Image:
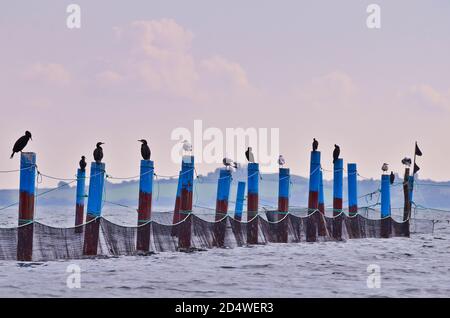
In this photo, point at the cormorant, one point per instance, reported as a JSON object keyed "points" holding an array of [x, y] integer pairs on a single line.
{"points": [[336, 153], [98, 152], [392, 177], [249, 155], [227, 162], [407, 161], [281, 160], [385, 167], [83, 163], [145, 150], [21, 143], [315, 144]]}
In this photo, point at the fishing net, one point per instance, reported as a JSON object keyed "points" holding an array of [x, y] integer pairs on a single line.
{"points": [[50, 243]]}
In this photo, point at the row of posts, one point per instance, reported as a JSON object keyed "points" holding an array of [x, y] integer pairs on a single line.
{"points": [[182, 218]]}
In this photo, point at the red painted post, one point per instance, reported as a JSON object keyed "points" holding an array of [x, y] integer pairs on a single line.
{"points": [[145, 206]]}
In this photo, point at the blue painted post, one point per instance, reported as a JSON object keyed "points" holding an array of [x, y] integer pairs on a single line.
{"points": [[352, 189], [176, 210], [240, 197], [321, 204], [252, 202], [145, 205], [284, 180], [81, 194], [385, 206], [94, 208], [187, 183], [338, 176], [223, 194], [26, 206], [313, 199]]}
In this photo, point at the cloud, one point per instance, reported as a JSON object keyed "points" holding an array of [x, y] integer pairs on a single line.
{"points": [[229, 71], [425, 97], [50, 73]]}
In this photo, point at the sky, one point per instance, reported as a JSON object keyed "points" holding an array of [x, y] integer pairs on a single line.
{"points": [[142, 69]]}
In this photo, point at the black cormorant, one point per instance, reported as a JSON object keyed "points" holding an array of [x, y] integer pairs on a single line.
{"points": [[392, 177], [83, 163], [21, 143], [145, 150], [315, 144], [98, 152], [249, 155], [336, 153]]}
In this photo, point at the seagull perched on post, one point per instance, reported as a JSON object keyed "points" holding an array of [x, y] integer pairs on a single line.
{"points": [[98, 152], [385, 167], [227, 162], [281, 161], [187, 147], [392, 177], [21, 143], [336, 153], [315, 144], [406, 161], [83, 163], [145, 150], [249, 155]]}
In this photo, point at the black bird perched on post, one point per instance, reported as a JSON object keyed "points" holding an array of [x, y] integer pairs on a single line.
{"points": [[83, 163], [98, 152], [145, 150], [336, 153], [392, 177], [21, 143], [249, 155], [227, 162], [315, 144]]}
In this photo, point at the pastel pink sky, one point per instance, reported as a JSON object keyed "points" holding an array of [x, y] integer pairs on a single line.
{"points": [[309, 68]]}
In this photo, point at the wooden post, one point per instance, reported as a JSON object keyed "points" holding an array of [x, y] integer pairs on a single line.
{"points": [[187, 183], [223, 194], [352, 189], [338, 176], [283, 204], [407, 204], [145, 206], [240, 197], [94, 208], [313, 199], [322, 229], [26, 206], [385, 206], [80, 199], [252, 202]]}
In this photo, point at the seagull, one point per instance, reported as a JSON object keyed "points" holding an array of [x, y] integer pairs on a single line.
{"points": [[227, 162], [385, 167], [98, 152], [392, 177], [407, 161], [187, 146], [83, 163], [145, 150], [336, 153], [249, 155], [281, 161], [21, 143], [315, 144]]}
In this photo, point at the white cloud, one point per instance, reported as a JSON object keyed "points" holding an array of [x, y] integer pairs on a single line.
{"points": [[50, 73], [425, 97]]}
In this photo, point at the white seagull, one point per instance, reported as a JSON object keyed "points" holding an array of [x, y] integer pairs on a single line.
{"points": [[281, 161], [227, 162], [187, 146]]}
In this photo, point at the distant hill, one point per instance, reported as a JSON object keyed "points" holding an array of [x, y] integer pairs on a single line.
{"points": [[427, 192]]}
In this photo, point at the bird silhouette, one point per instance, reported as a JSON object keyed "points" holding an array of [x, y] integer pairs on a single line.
{"points": [[98, 152], [249, 155], [145, 150], [281, 160], [187, 147], [315, 144], [336, 153], [385, 167], [392, 177], [83, 163], [227, 162], [21, 143], [406, 161]]}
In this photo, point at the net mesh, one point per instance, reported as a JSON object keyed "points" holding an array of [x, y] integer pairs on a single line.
{"points": [[51, 243]]}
